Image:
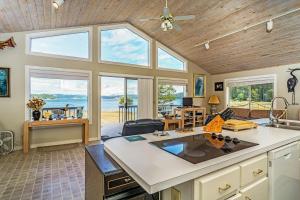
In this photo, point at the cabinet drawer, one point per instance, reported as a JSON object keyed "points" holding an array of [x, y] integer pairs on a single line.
{"points": [[257, 191], [218, 185], [235, 197], [253, 169]]}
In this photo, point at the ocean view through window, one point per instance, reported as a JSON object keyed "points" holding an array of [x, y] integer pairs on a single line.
{"points": [[67, 93], [59, 94]]}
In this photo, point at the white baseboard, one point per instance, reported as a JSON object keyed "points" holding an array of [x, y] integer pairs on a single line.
{"points": [[56, 143]]}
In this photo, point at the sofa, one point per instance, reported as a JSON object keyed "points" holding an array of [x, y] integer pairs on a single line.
{"points": [[244, 113]]}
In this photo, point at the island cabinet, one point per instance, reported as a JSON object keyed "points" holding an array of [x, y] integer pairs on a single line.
{"points": [[243, 181]]}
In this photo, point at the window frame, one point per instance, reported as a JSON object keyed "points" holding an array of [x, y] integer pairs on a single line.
{"points": [[174, 81], [172, 53], [63, 70], [135, 31], [59, 32], [246, 79]]}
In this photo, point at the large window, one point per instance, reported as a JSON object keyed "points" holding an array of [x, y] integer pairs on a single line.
{"points": [[74, 44], [124, 44], [168, 60], [66, 93], [253, 93], [170, 94]]}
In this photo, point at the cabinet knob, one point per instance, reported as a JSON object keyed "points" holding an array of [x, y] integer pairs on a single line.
{"points": [[258, 172], [223, 189]]}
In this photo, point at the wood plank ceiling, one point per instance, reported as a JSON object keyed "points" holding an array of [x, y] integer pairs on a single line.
{"points": [[250, 49]]}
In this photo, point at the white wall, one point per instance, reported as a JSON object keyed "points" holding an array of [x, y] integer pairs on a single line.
{"points": [[12, 110]]}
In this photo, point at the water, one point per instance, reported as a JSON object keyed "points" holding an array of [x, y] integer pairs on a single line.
{"points": [[107, 104]]}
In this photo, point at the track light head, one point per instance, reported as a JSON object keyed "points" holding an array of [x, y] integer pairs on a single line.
{"points": [[206, 45], [57, 3], [269, 26]]}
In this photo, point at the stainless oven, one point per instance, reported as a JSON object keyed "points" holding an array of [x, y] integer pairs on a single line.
{"points": [[106, 180]]}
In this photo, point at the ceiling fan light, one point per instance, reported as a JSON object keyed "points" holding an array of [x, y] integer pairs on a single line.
{"points": [[269, 26], [57, 3], [166, 25]]}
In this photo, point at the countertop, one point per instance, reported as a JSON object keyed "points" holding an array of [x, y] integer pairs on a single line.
{"points": [[156, 170], [104, 163]]}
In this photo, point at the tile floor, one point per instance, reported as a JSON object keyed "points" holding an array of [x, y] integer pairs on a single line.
{"points": [[45, 173]]}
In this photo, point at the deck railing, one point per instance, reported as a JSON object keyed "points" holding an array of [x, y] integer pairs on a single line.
{"points": [[127, 114], [166, 109]]}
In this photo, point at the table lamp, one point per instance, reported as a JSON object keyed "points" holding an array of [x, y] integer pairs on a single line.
{"points": [[213, 102]]}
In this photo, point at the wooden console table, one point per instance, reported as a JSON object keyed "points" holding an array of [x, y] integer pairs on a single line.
{"points": [[53, 123], [171, 121]]}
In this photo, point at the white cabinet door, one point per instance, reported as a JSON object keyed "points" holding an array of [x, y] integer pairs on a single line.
{"points": [[257, 191], [217, 185], [253, 169]]}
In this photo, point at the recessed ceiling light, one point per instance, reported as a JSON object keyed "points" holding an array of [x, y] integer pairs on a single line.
{"points": [[206, 45], [269, 26], [57, 3]]}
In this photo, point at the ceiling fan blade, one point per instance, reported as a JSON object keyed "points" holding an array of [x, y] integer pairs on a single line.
{"points": [[149, 19], [186, 17], [176, 27]]}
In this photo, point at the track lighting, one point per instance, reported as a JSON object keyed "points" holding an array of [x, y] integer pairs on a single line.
{"points": [[206, 45], [57, 3], [269, 26]]}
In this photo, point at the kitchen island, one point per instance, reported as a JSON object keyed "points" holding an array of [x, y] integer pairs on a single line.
{"points": [[157, 170]]}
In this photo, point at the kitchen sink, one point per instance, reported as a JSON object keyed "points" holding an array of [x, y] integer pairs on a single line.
{"points": [[286, 124]]}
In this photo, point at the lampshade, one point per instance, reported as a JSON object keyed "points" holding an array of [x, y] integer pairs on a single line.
{"points": [[214, 99]]}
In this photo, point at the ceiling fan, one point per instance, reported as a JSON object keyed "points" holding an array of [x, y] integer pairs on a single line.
{"points": [[168, 20]]}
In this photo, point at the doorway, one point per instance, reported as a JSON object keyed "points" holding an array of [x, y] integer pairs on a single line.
{"points": [[119, 103]]}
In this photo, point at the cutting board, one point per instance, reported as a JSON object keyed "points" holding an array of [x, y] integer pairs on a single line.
{"points": [[238, 125]]}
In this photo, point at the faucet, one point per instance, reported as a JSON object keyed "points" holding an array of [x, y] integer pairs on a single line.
{"points": [[275, 119]]}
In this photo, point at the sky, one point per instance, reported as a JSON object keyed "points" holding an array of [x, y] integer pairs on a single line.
{"points": [[117, 45], [56, 86], [74, 45], [124, 46], [111, 86]]}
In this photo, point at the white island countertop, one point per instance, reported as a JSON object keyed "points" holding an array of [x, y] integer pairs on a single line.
{"points": [[155, 169]]}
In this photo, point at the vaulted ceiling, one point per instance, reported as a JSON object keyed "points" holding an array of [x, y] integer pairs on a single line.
{"points": [[245, 50]]}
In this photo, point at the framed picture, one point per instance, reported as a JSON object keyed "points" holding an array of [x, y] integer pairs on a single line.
{"points": [[4, 82], [219, 86], [199, 85]]}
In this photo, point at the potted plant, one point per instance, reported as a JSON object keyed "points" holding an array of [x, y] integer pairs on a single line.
{"points": [[36, 104]]}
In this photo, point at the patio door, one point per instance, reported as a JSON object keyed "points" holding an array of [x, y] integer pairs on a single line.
{"points": [[119, 103]]}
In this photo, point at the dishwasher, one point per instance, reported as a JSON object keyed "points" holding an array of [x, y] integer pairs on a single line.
{"points": [[284, 172]]}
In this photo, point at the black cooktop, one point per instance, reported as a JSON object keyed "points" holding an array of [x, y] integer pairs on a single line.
{"points": [[202, 147]]}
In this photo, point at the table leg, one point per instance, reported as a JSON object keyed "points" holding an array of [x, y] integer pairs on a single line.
{"points": [[85, 132], [166, 128], [25, 138]]}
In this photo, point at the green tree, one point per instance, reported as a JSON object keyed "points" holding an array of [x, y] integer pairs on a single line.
{"points": [[122, 100], [167, 94]]}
